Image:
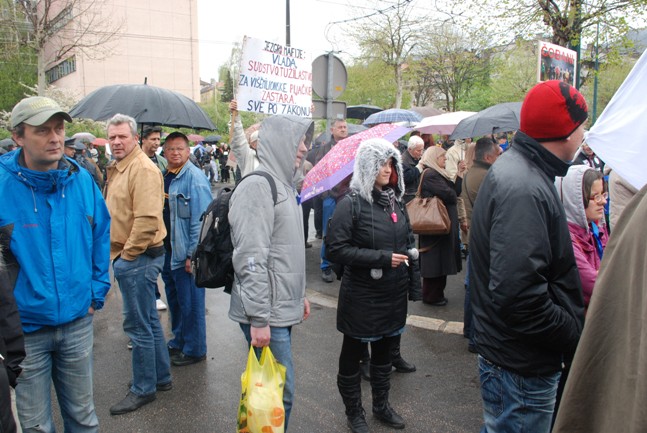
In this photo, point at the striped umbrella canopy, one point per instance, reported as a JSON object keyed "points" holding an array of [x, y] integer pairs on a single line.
{"points": [[392, 115]]}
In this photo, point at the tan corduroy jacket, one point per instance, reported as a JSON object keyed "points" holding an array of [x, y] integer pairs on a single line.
{"points": [[135, 197]]}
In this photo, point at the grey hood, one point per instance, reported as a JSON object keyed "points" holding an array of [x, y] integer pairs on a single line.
{"points": [[570, 191], [371, 156], [279, 139]]}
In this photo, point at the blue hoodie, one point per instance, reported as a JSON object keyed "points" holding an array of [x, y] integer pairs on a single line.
{"points": [[57, 226]]}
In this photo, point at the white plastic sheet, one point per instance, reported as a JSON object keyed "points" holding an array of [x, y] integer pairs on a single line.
{"points": [[619, 136]]}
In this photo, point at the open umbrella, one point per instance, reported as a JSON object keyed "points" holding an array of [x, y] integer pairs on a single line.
{"points": [[84, 137], [100, 142], [338, 163], [361, 111], [442, 123], [195, 137], [392, 115], [212, 139], [497, 118], [148, 105]]}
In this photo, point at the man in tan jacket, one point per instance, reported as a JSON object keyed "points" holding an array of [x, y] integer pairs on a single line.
{"points": [[135, 198]]}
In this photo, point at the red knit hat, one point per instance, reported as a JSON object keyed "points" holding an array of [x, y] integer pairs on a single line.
{"points": [[552, 110]]}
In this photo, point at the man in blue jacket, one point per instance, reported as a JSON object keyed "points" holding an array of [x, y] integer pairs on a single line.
{"points": [[52, 215], [186, 196]]}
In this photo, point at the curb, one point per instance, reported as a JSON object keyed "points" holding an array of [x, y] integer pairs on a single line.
{"points": [[438, 325]]}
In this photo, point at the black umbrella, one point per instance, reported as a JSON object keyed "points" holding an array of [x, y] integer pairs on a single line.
{"points": [[361, 111], [212, 139], [498, 118], [149, 105]]}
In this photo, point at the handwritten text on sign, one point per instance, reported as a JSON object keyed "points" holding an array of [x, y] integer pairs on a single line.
{"points": [[274, 79]]}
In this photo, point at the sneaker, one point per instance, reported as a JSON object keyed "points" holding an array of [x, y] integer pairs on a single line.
{"points": [[130, 345], [327, 275], [308, 245], [319, 236], [160, 305]]}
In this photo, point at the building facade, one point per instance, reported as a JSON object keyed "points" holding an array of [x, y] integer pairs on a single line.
{"points": [[157, 41]]}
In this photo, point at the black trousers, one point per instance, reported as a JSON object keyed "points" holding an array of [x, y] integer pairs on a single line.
{"points": [[7, 423], [352, 351]]}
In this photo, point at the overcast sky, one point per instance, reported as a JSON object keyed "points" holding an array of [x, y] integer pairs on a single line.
{"points": [[222, 23]]}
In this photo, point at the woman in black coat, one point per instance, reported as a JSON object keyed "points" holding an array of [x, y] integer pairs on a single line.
{"points": [[12, 347], [370, 235], [440, 255]]}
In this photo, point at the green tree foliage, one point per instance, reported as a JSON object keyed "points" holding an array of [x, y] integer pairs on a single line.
{"points": [[370, 82], [451, 63], [228, 91], [17, 73], [513, 72], [610, 76], [390, 36]]}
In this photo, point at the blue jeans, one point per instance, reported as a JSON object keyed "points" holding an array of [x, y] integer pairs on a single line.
{"points": [[150, 360], [281, 347], [186, 305], [516, 404], [61, 355], [329, 205]]}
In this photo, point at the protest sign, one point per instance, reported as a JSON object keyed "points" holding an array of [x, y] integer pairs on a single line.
{"points": [[274, 79], [556, 63]]}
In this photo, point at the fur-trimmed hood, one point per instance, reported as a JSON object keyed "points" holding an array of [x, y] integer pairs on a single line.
{"points": [[371, 155]]}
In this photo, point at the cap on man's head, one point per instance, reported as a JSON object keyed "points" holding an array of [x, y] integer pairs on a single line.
{"points": [[552, 111], [35, 111]]}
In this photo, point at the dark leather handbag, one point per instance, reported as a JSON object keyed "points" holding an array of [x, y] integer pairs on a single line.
{"points": [[428, 216]]}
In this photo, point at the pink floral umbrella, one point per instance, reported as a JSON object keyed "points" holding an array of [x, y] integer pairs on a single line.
{"points": [[339, 162]]}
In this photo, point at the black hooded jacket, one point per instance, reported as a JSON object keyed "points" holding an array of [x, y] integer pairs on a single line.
{"points": [[372, 305], [525, 287]]}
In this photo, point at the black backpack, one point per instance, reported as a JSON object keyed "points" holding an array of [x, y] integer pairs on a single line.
{"points": [[212, 260]]}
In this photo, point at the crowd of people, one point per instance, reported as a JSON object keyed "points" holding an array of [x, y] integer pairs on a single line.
{"points": [[531, 223]]}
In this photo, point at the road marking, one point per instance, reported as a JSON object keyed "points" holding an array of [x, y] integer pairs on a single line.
{"points": [[428, 323]]}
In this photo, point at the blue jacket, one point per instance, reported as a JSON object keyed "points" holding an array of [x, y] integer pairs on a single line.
{"points": [[189, 196], [57, 226]]}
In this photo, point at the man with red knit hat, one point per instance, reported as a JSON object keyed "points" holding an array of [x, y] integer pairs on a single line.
{"points": [[525, 288]]}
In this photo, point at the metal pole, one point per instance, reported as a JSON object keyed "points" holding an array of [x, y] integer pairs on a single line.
{"points": [[287, 23], [329, 92], [595, 78]]}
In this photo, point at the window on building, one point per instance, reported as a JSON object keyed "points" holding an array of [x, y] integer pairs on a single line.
{"points": [[66, 67]]}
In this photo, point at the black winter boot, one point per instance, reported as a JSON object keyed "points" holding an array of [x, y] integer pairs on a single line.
{"points": [[351, 393], [380, 385], [401, 366]]}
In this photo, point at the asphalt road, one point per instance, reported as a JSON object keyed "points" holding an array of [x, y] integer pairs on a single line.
{"points": [[442, 396]]}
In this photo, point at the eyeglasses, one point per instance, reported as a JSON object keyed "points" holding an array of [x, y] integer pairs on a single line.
{"points": [[175, 149], [600, 198]]}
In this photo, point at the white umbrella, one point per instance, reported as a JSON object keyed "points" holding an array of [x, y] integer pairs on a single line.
{"points": [[443, 123]]}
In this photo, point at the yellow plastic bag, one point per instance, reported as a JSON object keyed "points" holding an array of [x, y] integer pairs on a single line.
{"points": [[261, 400]]}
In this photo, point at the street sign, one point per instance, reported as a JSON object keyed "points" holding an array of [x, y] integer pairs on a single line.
{"points": [[338, 109], [320, 70]]}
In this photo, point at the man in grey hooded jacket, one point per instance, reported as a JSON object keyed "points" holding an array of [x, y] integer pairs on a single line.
{"points": [[268, 295]]}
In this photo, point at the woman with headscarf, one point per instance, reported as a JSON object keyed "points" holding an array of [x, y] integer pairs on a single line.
{"points": [[370, 234], [583, 195], [440, 255]]}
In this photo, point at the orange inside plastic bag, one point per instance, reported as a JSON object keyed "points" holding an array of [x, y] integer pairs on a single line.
{"points": [[261, 400]]}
